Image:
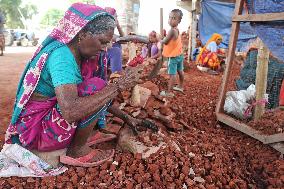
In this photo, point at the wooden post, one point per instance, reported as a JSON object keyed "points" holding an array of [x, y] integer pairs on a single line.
{"points": [[189, 51], [261, 79], [161, 22], [231, 54], [193, 27]]}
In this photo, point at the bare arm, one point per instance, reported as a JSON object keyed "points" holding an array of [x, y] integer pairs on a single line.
{"points": [[169, 36], [118, 113], [74, 108]]}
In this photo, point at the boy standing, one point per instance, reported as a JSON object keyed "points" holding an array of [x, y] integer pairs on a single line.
{"points": [[173, 51]]}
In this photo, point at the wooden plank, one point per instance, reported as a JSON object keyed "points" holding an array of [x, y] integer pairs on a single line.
{"points": [[259, 17], [240, 126], [273, 138], [261, 79], [193, 32], [277, 145], [231, 54]]}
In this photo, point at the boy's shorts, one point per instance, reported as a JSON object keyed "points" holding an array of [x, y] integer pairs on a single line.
{"points": [[175, 64]]}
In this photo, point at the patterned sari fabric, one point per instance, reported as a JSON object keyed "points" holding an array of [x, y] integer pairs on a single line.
{"points": [[39, 124], [207, 58]]}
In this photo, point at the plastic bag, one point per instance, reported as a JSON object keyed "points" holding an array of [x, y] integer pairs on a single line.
{"points": [[236, 102], [18, 161]]}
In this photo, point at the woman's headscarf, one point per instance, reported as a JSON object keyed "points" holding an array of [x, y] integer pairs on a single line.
{"points": [[215, 37], [111, 11], [74, 20]]}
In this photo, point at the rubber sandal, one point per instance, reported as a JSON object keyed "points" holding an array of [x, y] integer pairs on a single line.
{"points": [[84, 160], [178, 89], [99, 137], [165, 94], [212, 72]]}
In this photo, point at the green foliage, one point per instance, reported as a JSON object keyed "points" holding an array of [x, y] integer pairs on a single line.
{"points": [[29, 10], [13, 12], [51, 17], [83, 1]]}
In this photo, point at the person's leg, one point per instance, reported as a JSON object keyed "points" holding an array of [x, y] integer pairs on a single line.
{"points": [[181, 79], [180, 70], [172, 70], [78, 146], [171, 82]]}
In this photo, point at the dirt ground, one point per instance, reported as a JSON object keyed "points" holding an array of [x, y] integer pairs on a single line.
{"points": [[12, 65], [223, 157]]}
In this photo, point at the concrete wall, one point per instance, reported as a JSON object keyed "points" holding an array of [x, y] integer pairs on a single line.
{"points": [[128, 13]]}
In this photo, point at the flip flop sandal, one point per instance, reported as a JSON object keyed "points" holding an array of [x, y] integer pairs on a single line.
{"points": [[165, 94], [84, 160], [178, 89], [99, 137], [212, 72]]}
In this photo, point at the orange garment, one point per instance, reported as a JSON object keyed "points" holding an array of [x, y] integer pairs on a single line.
{"points": [[173, 48], [281, 97]]}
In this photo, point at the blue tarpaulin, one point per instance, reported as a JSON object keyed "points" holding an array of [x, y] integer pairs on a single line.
{"points": [[271, 33], [216, 17]]}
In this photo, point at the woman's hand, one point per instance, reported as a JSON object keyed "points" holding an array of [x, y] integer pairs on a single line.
{"points": [[128, 80]]}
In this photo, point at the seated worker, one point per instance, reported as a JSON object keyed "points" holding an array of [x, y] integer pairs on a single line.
{"points": [[197, 49], [152, 50], [59, 99], [210, 56]]}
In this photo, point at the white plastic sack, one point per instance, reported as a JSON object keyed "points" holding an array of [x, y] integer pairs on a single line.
{"points": [[18, 161], [236, 101]]}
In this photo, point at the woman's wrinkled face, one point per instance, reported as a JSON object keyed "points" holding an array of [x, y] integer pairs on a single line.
{"points": [[219, 41], [91, 44]]}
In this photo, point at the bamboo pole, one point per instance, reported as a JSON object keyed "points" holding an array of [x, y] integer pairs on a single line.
{"points": [[193, 27], [162, 22], [261, 79], [189, 51]]}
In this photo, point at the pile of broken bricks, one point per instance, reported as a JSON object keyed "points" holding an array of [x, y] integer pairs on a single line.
{"points": [[144, 102]]}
